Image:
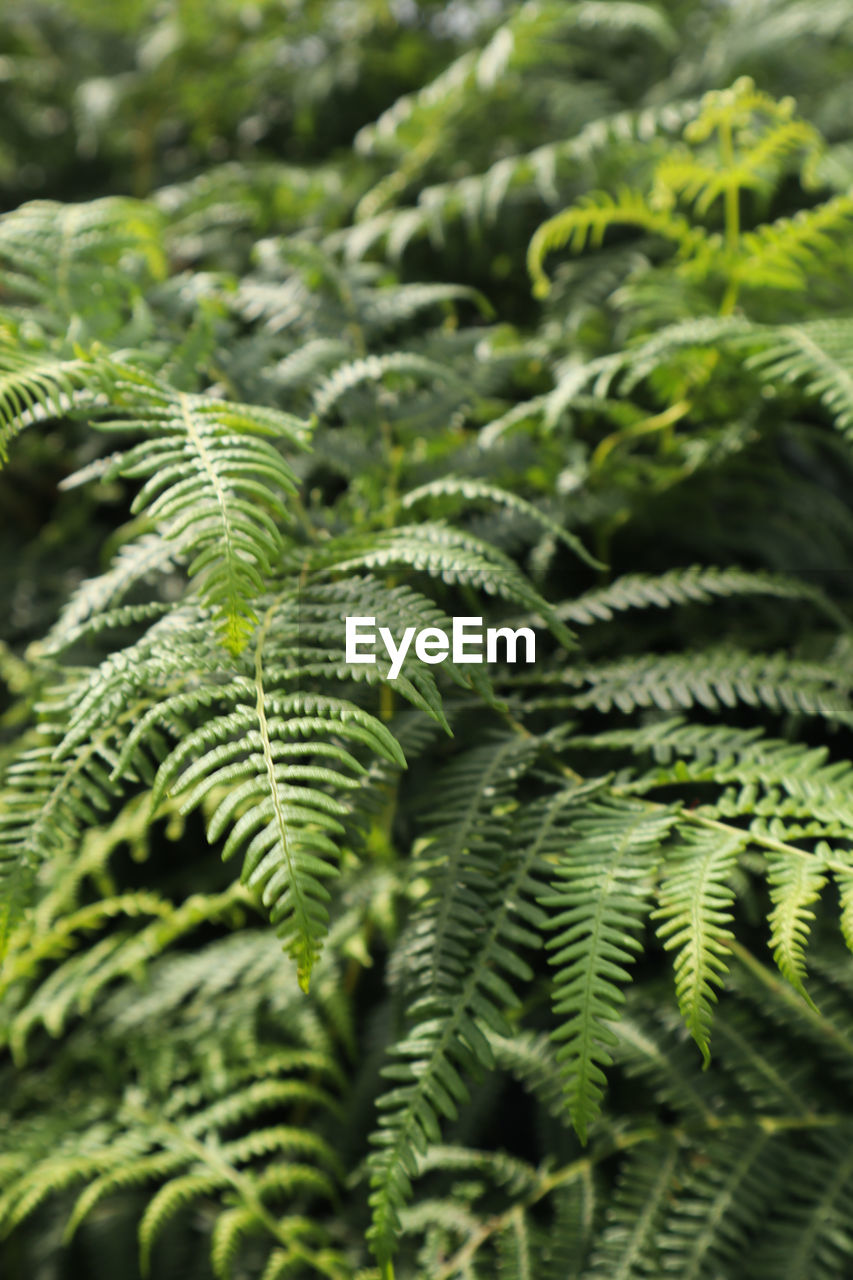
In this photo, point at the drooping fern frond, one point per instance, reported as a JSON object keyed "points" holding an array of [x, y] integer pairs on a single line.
{"points": [[148, 555], [795, 885], [606, 854], [36, 386], [283, 815], [212, 484], [374, 369], [443, 552], [461, 956], [695, 910], [476, 490]]}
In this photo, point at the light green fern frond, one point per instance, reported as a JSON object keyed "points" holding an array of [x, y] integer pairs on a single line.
{"points": [[587, 222], [212, 485], [606, 854], [36, 386], [695, 909]]}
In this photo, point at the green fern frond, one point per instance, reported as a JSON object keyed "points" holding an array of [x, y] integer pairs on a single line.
{"points": [[720, 754], [473, 490], [782, 254], [45, 802], [189, 1151], [628, 1245], [461, 957], [601, 893], [375, 369], [212, 482], [283, 816], [697, 584], [479, 198], [716, 678], [444, 552], [587, 222], [795, 884], [695, 909], [718, 1203], [149, 554], [815, 353], [36, 386], [55, 256]]}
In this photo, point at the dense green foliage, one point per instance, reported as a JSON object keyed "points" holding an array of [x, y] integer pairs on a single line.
{"points": [[538, 313]]}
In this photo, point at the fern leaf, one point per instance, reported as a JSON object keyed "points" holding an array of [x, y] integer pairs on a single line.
{"points": [[796, 882], [817, 354], [601, 892], [36, 386], [211, 482], [628, 1245], [461, 954], [697, 584], [587, 222], [478, 491], [441, 551], [695, 900]]}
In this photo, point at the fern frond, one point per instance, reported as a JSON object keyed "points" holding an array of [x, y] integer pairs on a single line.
{"points": [[58, 256], [150, 554], [212, 482], [721, 754], [795, 884], [695, 900], [587, 222], [375, 369], [45, 802], [815, 353], [601, 892], [280, 814], [36, 386], [479, 198], [719, 1203], [783, 253], [697, 584], [461, 954], [628, 1244], [441, 551], [814, 1238], [473, 490], [187, 1149], [716, 677]]}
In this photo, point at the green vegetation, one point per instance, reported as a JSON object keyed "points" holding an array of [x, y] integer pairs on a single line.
{"points": [[537, 313]]}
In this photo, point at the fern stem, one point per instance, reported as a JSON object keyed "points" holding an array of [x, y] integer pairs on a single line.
{"points": [[732, 202], [663, 421]]}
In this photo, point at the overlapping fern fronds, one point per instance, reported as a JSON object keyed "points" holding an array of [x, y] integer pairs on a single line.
{"points": [[553, 956]]}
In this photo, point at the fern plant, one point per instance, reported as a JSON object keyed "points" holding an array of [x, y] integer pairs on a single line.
{"points": [[315, 969]]}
